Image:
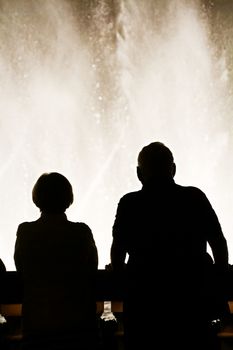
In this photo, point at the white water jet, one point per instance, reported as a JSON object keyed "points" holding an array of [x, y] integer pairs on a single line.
{"points": [[178, 90], [85, 85]]}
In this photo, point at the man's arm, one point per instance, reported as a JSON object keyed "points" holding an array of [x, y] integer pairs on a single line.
{"points": [[118, 255], [220, 251], [215, 236], [118, 248]]}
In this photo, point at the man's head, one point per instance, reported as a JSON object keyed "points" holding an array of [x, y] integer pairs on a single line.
{"points": [[155, 161]]}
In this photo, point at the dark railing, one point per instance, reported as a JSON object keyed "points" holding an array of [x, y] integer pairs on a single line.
{"points": [[109, 291], [109, 288]]}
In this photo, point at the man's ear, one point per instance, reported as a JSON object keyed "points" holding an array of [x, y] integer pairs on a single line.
{"points": [[173, 169], [139, 174]]}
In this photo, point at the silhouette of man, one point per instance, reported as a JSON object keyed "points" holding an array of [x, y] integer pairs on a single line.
{"points": [[164, 229]]}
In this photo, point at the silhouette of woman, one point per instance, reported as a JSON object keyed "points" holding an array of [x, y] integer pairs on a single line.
{"points": [[57, 260]]}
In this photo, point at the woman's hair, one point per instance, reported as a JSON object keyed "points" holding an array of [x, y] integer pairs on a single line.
{"points": [[52, 193]]}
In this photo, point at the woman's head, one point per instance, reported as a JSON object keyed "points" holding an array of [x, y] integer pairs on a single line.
{"points": [[52, 193]]}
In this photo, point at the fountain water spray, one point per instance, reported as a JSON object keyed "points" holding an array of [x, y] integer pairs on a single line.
{"points": [[84, 85]]}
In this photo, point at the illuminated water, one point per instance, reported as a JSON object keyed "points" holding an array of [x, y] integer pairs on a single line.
{"points": [[84, 85]]}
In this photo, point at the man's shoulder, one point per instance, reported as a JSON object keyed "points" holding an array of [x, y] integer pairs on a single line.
{"points": [[189, 189], [192, 193], [131, 195]]}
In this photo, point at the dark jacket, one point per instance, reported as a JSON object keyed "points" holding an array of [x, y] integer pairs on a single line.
{"points": [[165, 230]]}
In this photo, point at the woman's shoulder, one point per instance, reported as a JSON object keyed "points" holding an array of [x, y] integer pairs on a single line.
{"points": [[25, 228], [27, 224], [80, 227]]}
